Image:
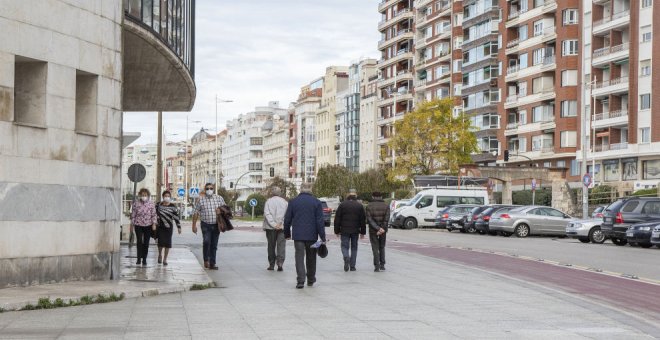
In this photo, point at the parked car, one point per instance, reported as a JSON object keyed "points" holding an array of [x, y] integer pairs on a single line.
{"points": [[586, 230], [598, 212], [622, 214], [468, 221], [655, 236], [531, 220], [640, 234], [482, 224], [327, 213], [396, 205], [449, 217]]}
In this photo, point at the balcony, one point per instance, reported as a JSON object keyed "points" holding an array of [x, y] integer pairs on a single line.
{"points": [[517, 128], [405, 13], [406, 34], [514, 72], [608, 54], [516, 100], [493, 10], [403, 54], [158, 66], [612, 86], [517, 17], [610, 147], [610, 119], [613, 21], [384, 4]]}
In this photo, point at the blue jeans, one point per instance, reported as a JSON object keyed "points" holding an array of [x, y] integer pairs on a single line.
{"points": [[353, 239], [210, 234]]}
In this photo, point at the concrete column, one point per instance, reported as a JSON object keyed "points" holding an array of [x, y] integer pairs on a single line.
{"points": [[507, 194]]}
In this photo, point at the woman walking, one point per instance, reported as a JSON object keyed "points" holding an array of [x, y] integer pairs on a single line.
{"points": [[168, 215], [143, 219]]}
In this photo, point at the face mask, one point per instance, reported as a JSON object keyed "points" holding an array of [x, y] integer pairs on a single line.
{"points": [[144, 198], [209, 192], [167, 199]]}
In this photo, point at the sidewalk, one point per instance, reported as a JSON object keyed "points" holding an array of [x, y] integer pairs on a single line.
{"points": [[182, 272]]}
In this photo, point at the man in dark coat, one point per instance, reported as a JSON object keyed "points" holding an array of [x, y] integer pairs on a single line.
{"points": [[378, 217], [350, 220], [305, 215]]}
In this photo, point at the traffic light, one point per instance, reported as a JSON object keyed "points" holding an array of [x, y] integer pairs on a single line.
{"points": [[272, 172], [231, 185], [506, 155]]}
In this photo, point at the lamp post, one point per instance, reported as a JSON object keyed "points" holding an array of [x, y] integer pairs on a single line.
{"points": [[185, 175], [584, 142], [217, 132]]}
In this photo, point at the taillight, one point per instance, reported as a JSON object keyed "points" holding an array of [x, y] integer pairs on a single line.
{"points": [[486, 218], [445, 215], [475, 217], [599, 215], [619, 218], [505, 216], [327, 210]]}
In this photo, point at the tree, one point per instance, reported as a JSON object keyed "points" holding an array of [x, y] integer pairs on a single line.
{"points": [[259, 208], [332, 181], [431, 140], [288, 189]]}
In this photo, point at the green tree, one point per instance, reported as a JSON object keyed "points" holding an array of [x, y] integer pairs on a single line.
{"points": [[431, 140], [259, 209], [288, 189], [332, 181]]}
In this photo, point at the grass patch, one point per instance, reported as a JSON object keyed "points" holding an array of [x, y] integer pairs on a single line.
{"points": [[198, 286], [47, 303], [248, 218]]}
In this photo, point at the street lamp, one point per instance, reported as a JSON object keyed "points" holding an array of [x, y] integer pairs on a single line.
{"points": [[185, 175], [217, 132]]}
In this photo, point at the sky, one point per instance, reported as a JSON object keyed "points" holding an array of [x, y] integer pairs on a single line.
{"points": [[256, 51]]}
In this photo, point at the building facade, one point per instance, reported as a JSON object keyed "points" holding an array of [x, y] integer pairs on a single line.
{"points": [[276, 148], [303, 164], [203, 163], [335, 81], [368, 123]]}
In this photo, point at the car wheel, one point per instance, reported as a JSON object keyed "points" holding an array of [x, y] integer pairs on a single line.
{"points": [[471, 230], [462, 230], [596, 235], [645, 245], [522, 230], [492, 233], [584, 239], [633, 244], [619, 241], [505, 233], [481, 232], [410, 223]]}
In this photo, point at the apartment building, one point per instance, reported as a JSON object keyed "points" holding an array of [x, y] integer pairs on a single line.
{"points": [[368, 123], [302, 131], [276, 147], [335, 81], [619, 55], [206, 158]]}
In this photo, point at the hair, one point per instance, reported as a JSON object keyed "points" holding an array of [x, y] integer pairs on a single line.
{"points": [[144, 191], [275, 191], [167, 192], [306, 188], [207, 184]]}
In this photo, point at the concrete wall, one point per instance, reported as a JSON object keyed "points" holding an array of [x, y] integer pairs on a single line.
{"points": [[59, 185]]}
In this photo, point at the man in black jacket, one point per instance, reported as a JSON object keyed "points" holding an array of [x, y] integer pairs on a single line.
{"points": [[350, 220], [378, 217]]}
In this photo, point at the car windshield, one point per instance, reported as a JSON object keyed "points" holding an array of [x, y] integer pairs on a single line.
{"points": [[488, 211], [414, 200]]}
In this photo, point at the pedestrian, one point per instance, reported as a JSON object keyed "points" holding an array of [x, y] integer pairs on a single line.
{"points": [[168, 216], [350, 221], [143, 221], [274, 211], [303, 222], [378, 217], [206, 210]]}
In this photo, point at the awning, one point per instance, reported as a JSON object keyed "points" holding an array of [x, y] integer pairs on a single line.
{"points": [[603, 134]]}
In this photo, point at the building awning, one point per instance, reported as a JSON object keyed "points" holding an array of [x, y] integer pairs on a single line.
{"points": [[603, 134]]}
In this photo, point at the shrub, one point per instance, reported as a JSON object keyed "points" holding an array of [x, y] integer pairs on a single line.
{"points": [[646, 192], [524, 197], [259, 209]]}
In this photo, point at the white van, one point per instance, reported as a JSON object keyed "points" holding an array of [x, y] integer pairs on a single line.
{"points": [[424, 207]]}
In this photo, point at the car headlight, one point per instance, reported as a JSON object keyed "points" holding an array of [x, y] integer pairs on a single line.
{"points": [[644, 228]]}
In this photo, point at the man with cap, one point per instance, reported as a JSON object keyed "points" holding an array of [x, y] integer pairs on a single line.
{"points": [[274, 211], [304, 223], [378, 217], [350, 221]]}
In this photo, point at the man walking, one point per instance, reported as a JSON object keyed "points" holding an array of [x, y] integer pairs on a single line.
{"points": [[305, 215], [349, 222], [207, 209], [378, 217], [274, 211]]}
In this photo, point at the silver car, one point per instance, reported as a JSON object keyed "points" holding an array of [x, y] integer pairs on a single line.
{"points": [[586, 230], [530, 220]]}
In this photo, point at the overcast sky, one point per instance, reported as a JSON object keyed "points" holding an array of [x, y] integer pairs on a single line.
{"points": [[255, 51]]}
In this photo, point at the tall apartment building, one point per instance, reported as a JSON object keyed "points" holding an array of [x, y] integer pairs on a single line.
{"points": [[619, 55], [206, 160], [335, 81], [302, 160], [368, 123], [276, 147]]}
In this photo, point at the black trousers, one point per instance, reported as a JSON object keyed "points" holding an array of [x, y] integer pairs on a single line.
{"points": [[276, 247], [305, 260], [143, 237], [378, 248]]}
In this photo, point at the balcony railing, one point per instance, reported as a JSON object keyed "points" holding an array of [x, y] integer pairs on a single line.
{"points": [[610, 49], [611, 82], [611, 18], [512, 43], [611, 114], [608, 147]]}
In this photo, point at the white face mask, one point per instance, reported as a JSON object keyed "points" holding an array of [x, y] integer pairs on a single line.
{"points": [[167, 199], [209, 192], [144, 198]]}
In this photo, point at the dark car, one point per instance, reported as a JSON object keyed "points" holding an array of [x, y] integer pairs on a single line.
{"points": [[483, 220], [598, 212], [640, 234], [655, 236], [327, 213], [622, 214], [449, 217], [468, 221]]}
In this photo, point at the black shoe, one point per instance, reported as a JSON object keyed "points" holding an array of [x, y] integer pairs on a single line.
{"points": [[376, 269], [353, 269], [310, 283], [138, 262], [279, 268], [300, 285], [382, 267], [270, 268], [346, 266]]}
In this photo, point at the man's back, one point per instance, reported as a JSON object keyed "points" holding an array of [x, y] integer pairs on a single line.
{"points": [[305, 215], [379, 212], [350, 217]]}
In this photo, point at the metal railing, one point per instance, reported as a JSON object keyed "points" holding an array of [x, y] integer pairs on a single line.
{"points": [[607, 50], [611, 18], [611, 114], [611, 82]]}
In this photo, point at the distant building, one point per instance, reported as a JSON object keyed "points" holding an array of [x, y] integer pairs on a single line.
{"points": [[304, 123], [335, 81], [369, 123], [276, 148]]}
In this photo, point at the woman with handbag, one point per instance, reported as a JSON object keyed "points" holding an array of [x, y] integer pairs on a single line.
{"points": [[168, 215], [143, 220]]}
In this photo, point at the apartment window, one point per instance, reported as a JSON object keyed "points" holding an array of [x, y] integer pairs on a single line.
{"points": [[647, 3], [568, 139], [575, 167], [645, 101], [646, 36], [561, 164], [645, 68], [645, 135], [570, 16], [256, 166], [611, 170], [538, 28], [651, 169], [569, 47], [86, 99], [569, 108], [256, 141], [30, 92], [537, 56], [569, 78]]}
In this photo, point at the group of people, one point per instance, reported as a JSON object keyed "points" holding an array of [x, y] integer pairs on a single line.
{"points": [[154, 220], [302, 220]]}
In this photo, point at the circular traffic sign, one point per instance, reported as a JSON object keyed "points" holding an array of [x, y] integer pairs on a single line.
{"points": [[253, 202], [137, 172], [533, 183], [181, 192], [586, 180]]}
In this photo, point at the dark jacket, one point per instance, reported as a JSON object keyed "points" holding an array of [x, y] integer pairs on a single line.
{"points": [[350, 218], [305, 215], [378, 215]]}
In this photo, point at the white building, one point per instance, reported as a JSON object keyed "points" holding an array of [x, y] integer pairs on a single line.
{"points": [[368, 123], [304, 121], [276, 148]]}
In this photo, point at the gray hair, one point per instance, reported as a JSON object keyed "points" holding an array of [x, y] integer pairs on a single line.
{"points": [[276, 191], [306, 188]]}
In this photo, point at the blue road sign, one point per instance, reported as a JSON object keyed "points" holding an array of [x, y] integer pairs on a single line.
{"points": [[253, 202], [194, 192], [586, 180], [181, 192], [533, 184]]}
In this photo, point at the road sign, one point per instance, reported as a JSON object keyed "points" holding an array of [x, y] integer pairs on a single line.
{"points": [[253, 202], [586, 180], [194, 192], [533, 183], [137, 172], [181, 192]]}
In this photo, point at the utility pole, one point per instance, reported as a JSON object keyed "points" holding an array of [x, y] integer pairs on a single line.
{"points": [[159, 156]]}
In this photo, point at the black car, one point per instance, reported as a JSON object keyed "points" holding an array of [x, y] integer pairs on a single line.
{"points": [[622, 214], [640, 234], [468, 221], [483, 220], [327, 213], [655, 236], [449, 217]]}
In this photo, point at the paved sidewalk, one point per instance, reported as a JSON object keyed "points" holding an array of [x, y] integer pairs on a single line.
{"points": [[417, 297], [182, 272]]}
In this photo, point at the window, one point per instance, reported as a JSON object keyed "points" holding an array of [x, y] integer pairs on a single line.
{"points": [[569, 47], [651, 169], [630, 206], [472, 200], [569, 108], [575, 168], [651, 208], [629, 169], [645, 101], [538, 28], [537, 56], [561, 164], [256, 141], [569, 78], [570, 16], [611, 171], [647, 3], [646, 36], [645, 135], [568, 139], [522, 32], [553, 213], [645, 68], [256, 166], [443, 201], [30, 92], [86, 99]]}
